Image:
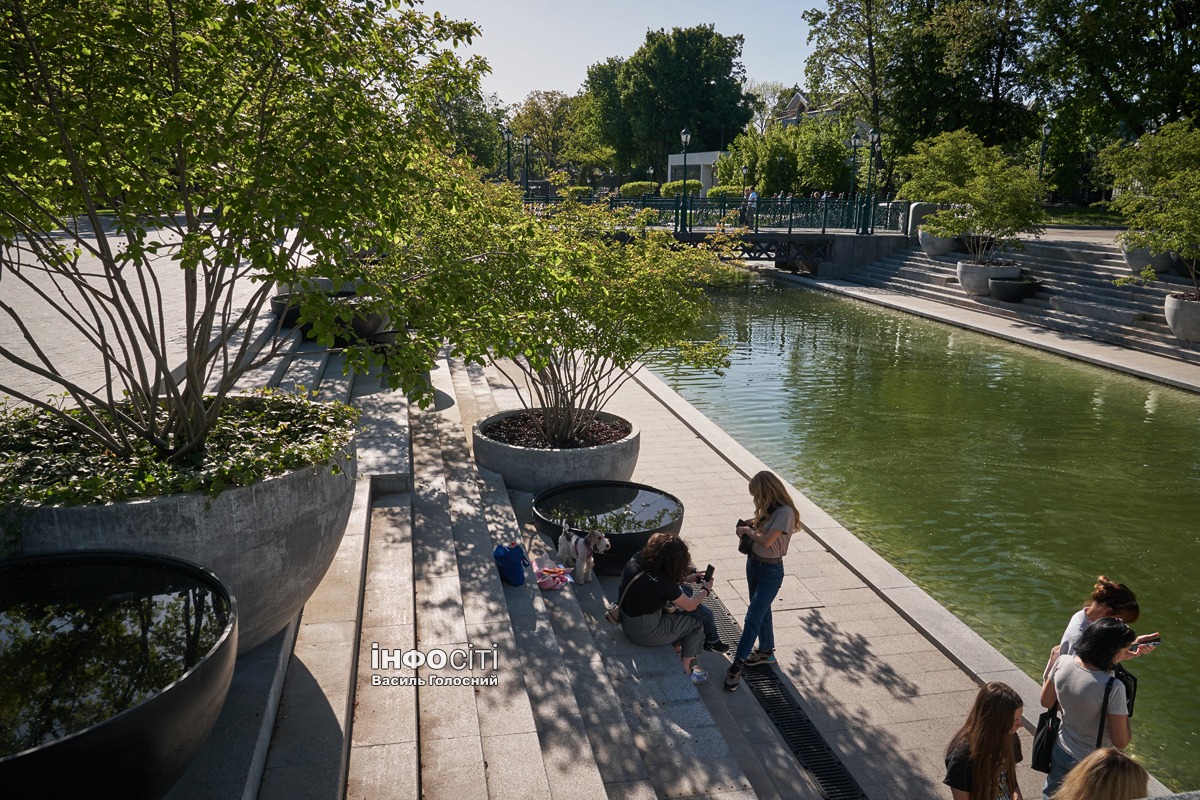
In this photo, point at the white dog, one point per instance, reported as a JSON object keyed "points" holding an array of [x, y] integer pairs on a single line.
{"points": [[577, 551]]}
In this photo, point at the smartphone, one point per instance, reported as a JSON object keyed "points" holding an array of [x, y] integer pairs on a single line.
{"points": [[1133, 648], [708, 573]]}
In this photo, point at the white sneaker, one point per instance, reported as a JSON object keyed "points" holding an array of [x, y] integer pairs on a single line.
{"points": [[699, 676]]}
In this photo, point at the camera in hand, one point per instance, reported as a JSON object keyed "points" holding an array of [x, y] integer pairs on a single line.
{"points": [[746, 545]]}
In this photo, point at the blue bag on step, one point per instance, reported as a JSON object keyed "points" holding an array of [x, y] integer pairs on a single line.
{"points": [[511, 561]]}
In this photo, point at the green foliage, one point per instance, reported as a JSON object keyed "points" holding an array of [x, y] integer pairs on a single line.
{"points": [[675, 188], [581, 296], [576, 192], [239, 145], [687, 78], [940, 168], [998, 202], [811, 156], [1160, 178], [474, 123], [45, 462], [725, 191], [546, 117], [639, 189]]}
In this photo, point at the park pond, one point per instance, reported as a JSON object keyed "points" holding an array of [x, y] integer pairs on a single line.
{"points": [[1000, 479]]}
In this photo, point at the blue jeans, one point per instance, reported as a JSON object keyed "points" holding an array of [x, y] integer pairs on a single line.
{"points": [[1060, 764], [764, 581], [705, 615]]}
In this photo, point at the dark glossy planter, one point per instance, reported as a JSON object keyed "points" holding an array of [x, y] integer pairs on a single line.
{"points": [[627, 513], [138, 681], [1012, 290]]}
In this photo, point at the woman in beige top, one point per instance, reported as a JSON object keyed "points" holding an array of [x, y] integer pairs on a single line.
{"points": [[775, 520]]}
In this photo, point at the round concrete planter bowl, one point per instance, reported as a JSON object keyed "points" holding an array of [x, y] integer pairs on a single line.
{"points": [[270, 542], [935, 245], [1183, 317], [1012, 290], [974, 277], [535, 469], [113, 723]]}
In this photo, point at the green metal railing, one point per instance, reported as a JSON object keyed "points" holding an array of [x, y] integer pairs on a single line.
{"points": [[768, 215]]}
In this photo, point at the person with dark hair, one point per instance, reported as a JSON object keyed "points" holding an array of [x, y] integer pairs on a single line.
{"points": [[1106, 774], [981, 759], [1080, 684], [650, 588], [708, 622], [1108, 599], [775, 520]]}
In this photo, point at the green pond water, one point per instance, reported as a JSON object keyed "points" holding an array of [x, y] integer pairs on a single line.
{"points": [[1000, 479]]}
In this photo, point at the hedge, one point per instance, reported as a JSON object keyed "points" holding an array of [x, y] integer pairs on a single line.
{"points": [[727, 190], [639, 188], [675, 188]]}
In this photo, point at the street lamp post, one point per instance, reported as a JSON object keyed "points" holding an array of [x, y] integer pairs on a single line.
{"points": [[866, 223], [855, 141], [508, 146], [527, 140], [1042, 154], [745, 174], [685, 136]]}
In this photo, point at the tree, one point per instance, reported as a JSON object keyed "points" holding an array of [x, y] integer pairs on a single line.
{"points": [[770, 99], [849, 57], [807, 157], [941, 166], [1132, 62], [545, 116], [688, 78], [1160, 178], [585, 152], [229, 146], [474, 123]]}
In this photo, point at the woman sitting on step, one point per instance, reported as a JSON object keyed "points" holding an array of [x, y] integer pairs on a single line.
{"points": [[650, 590]]}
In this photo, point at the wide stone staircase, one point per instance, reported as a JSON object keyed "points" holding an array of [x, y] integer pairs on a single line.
{"points": [[332, 708], [1077, 294]]}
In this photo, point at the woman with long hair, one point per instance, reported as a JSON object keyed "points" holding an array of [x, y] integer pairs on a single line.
{"points": [[981, 759], [649, 585], [1106, 774], [775, 520], [1079, 684]]}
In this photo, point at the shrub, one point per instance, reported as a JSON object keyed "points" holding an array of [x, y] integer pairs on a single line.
{"points": [[639, 189], [675, 188], [576, 192], [727, 190]]}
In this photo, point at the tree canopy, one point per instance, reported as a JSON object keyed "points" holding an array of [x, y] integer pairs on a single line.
{"points": [[687, 78]]}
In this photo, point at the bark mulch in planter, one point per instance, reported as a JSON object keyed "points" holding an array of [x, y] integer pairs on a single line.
{"points": [[522, 430]]}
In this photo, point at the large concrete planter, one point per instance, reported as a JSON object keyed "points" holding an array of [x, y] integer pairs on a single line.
{"points": [[535, 469], [1183, 317], [935, 245], [1140, 257], [270, 542], [974, 277]]}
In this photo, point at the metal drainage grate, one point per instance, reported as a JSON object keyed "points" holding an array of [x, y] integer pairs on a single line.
{"points": [[792, 723]]}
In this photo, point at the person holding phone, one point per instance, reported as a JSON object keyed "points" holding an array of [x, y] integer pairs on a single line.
{"points": [[651, 587], [775, 520], [1080, 684]]}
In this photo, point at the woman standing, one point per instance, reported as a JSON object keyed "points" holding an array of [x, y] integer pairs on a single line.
{"points": [[1081, 683], [649, 587], [1106, 774], [775, 520], [981, 759]]}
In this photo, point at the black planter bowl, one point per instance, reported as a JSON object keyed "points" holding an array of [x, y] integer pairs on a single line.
{"points": [[627, 513], [1012, 290], [116, 666], [286, 309]]}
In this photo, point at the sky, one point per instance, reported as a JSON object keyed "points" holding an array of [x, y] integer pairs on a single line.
{"points": [[549, 44]]}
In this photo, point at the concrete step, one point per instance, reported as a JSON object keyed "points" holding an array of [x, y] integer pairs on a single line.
{"points": [[1092, 307]]}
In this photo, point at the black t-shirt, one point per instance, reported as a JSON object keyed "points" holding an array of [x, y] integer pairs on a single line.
{"points": [[959, 773], [647, 594]]}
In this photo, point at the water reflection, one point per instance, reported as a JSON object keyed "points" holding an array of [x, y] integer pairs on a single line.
{"points": [[1000, 479], [82, 643]]}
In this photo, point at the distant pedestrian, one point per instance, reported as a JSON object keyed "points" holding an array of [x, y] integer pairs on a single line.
{"points": [[981, 759]]}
